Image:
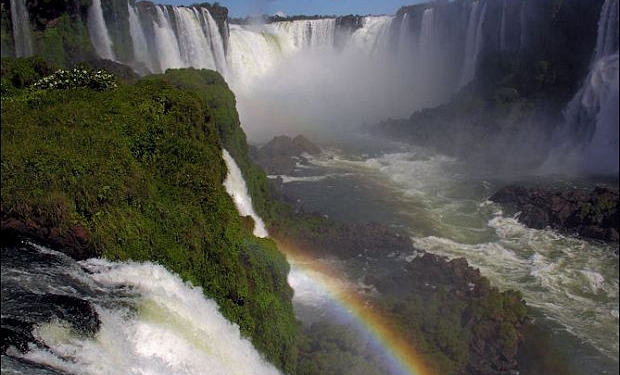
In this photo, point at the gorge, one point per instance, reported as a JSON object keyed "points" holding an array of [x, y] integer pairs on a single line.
{"points": [[421, 116]]}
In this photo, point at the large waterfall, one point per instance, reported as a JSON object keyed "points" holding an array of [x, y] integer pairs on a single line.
{"points": [[369, 78], [592, 115]]}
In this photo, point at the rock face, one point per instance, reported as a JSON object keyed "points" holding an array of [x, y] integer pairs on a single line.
{"points": [[280, 155], [591, 214]]}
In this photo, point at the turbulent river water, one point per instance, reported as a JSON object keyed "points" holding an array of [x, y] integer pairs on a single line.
{"points": [[570, 285]]}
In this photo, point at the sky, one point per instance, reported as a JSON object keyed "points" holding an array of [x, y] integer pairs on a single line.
{"points": [[242, 8]]}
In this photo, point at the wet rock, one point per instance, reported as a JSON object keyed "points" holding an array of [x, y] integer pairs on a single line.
{"points": [[280, 155], [587, 213]]}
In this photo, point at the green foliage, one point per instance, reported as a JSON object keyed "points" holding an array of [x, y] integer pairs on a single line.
{"points": [[140, 167], [333, 349], [66, 79], [22, 72], [64, 41]]}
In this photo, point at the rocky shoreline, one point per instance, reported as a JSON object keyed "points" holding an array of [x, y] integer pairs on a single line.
{"points": [[592, 214]]}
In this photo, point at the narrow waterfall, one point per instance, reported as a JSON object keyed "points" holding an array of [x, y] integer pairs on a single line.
{"points": [[404, 38], [216, 40], [140, 46], [502, 28], [592, 114], [427, 38], [473, 42], [235, 186], [523, 24], [99, 31], [21, 28]]}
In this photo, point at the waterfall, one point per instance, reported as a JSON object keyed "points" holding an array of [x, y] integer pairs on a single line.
{"points": [[21, 28], [404, 38], [319, 33], [502, 28], [166, 45], [217, 42], [138, 38], [427, 39], [523, 24], [235, 186], [99, 31], [473, 42], [373, 36], [194, 44], [592, 114], [148, 320]]}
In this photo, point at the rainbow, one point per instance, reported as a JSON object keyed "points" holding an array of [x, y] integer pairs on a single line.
{"points": [[401, 354]]}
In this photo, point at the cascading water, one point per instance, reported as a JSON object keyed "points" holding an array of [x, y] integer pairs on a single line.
{"points": [[302, 34], [473, 41], [194, 44], [98, 317], [216, 40], [502, 28], [21, 28], [523, 25], [427, 41], [167, 37], [138, 38], [99, 31], [590, 136], [235, 186], [166, 43]]}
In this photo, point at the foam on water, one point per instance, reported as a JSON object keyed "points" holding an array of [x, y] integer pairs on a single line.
{"points": [[570, 281], [167, 328]]}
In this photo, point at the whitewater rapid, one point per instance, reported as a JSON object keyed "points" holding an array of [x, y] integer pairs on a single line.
{"points": [[151, 322], [442, 203]]}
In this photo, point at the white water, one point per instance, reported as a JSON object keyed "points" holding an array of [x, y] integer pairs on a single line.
{"points": [[162, 326], [502, 27], [216, 40], [166, 43], [473, 41], [590, 136], [427, 37], [235, 186], [21, 28], [444, 208], [194, 45], [99, 31], [523, 24], [138, 38]]}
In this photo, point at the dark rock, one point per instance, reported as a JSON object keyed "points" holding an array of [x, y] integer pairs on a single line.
{"points": [[73, 241], [123, 72], [588, 213], [281, 154], [17, 334]]}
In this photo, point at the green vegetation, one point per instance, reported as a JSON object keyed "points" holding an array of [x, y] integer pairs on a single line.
{"points": [[140, 167], [67, 79]]}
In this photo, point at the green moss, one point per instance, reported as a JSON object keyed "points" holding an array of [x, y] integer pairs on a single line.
{"points": [[140, 167]]}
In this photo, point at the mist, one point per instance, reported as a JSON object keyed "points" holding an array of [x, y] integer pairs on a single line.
{"points": [[315, 88]]}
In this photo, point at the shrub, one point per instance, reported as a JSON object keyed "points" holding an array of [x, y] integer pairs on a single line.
{"points": [[66, 79]]}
